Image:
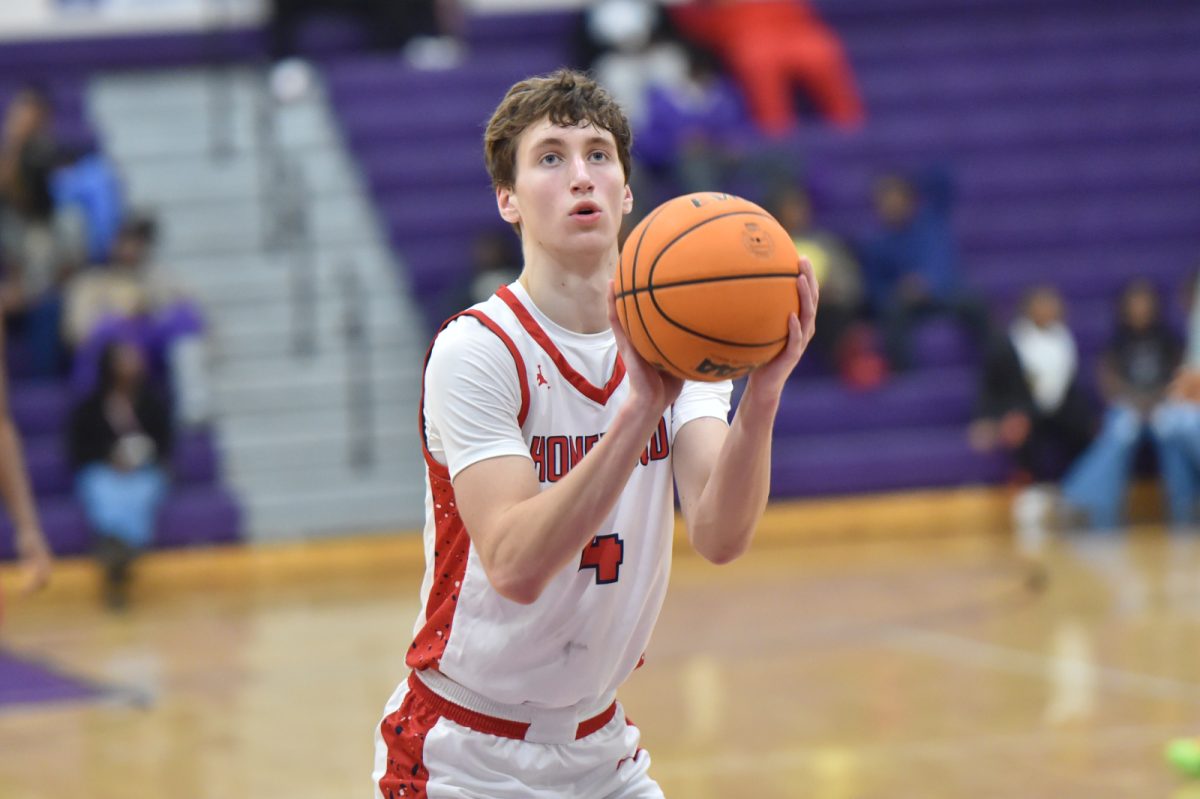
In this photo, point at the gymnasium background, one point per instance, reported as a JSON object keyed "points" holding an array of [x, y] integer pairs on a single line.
{"points": [[321, 215]]}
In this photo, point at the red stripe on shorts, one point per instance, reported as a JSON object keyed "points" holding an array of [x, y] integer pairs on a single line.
{"points": [[404, 734]]}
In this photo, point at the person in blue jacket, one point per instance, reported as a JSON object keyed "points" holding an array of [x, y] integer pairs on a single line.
{"points": [[912, 263]]}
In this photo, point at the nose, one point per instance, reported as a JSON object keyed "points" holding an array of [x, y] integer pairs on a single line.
{"points": [[581, 176]]}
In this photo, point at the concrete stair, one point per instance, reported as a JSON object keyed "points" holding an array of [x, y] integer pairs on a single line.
{"points": [[312, 441]]}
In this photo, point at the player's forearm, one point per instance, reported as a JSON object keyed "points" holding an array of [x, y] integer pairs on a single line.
{"points": [[14, 485], [735, 495], [536, 538]]}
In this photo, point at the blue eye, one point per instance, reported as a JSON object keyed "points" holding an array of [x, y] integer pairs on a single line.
{"points": [[599, 155], [550, 158]]}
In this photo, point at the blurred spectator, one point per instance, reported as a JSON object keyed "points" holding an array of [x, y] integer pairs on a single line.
{"points": [[496, 263], [912, 263], [126, 286], [91, 189], [38, 246], [130, 298], [773, 47], [391, 23], [425, 30], [696, 130], [1177, 422], [1030, 401], [841, 339], [629, 45], [1134, 376], [120, 442]]}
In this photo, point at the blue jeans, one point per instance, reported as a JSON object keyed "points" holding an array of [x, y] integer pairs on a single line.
{"points": [[1176, 430], [122, 504], [1097, 483]]}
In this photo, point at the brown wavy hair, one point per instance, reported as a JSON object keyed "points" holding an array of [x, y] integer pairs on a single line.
{"points": [[567, 97]]}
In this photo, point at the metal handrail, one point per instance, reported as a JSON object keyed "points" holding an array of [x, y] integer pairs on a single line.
{"points": [[360, 401], [286, 223], [273, 168], [220, 81], [297, 239]]}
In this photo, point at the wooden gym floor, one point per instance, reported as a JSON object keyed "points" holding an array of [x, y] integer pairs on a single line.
{"points": [[877, 648]]}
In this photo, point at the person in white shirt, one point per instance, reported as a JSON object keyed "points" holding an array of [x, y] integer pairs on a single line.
{"points": [[552, 449], [1030, 401]]}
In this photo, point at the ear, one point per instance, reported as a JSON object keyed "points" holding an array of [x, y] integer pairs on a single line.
{"points": [[627, 200], [506, 201]]}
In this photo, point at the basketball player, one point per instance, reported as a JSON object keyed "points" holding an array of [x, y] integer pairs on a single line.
{"points": [[551, 449], [14, 491]]}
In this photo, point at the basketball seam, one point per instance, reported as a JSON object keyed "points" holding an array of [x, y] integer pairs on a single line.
{"points": [[636, 303], [699, 281], [650, 287], [622, 295]]}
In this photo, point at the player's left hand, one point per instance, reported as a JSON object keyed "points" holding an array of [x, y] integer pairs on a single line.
{"points": [[653, 388], [768, 379], [36, 560]]}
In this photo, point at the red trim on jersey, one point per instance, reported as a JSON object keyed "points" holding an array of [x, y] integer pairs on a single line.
{"points": [[490, 725], [582, 385], [452, 545], [451, 549], [404, 734], [522, 378]]}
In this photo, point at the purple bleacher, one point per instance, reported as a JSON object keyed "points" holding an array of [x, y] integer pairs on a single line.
{"points": [[88, 55], [879, 460], [63, 523], [198, 516], [39, 407], [822, 405], [191, 516], [194, 462], [1071, 128], [194, 473], [957, 36], [198, 509]]}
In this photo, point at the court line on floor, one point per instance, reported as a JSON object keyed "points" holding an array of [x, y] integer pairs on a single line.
{"points": [[793, 757], [1031, 664]]}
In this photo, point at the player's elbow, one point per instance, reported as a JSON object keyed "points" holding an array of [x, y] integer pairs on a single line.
{"points": [[723, 555], [720, 550], [523, 589]]}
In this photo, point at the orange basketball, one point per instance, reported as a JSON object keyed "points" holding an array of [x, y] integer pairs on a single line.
{"points": [[705, 286]]}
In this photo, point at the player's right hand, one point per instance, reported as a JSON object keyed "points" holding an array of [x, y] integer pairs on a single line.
{"points": [[652, 389]]}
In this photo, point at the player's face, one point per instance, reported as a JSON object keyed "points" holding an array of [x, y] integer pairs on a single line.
{"points": [[570, 192]]}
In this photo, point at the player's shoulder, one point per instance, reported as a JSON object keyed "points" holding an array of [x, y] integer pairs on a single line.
{"points": [[474, 339], [474, 326]]}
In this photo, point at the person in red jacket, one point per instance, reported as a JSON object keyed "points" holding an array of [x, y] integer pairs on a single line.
{"points": [[773, 47]]}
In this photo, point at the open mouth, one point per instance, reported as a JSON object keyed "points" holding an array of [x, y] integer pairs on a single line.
{"points": [[585, 211]]}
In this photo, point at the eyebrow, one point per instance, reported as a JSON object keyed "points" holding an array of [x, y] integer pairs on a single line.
{"points": [[556, 142]]}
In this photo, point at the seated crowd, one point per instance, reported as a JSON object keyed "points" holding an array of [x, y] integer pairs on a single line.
{"points": [[85, 305]]}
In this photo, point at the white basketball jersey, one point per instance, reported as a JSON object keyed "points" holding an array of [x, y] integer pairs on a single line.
{"points": [[588, 629]]}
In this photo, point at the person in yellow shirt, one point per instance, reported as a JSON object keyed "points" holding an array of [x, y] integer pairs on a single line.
{"points": [[842, 340]]}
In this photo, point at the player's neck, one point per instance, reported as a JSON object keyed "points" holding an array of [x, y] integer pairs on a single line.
{"points": [[574, 298]]}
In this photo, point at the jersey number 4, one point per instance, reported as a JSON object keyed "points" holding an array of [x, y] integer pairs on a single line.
{"points": [[605, 554]]}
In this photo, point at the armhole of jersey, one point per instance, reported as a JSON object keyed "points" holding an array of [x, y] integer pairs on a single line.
{"points": [[518, 362]]}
